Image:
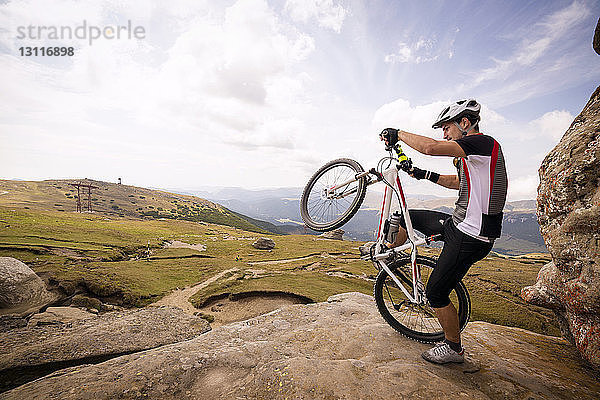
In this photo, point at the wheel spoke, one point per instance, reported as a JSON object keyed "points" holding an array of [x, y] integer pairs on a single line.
{"points": [[335, 206]]}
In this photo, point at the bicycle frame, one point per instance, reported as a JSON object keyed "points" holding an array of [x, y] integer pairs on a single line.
{"points": [[392, 178], [393, 185]]}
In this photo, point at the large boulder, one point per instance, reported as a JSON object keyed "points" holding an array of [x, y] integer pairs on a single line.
{"points": [[336, 234], [263, 243], [21, 290], [568, 210], [64, 335], [341, 349]]}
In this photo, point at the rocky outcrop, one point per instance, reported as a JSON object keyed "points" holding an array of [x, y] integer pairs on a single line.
{"points": [[336, 234], [341, 349], [21, 290], [264, 243], [66, 335], [568, 209]]}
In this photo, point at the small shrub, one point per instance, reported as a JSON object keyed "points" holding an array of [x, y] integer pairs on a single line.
{"points": [[208, 317], [87, 302]]}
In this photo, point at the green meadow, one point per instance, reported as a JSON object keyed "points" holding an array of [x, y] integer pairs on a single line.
{"points": [[124, 259]]}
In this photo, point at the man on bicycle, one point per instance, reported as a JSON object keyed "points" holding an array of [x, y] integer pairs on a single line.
{"points": [[469, 233]]}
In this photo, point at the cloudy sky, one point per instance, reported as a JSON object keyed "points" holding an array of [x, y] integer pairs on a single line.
{"points": [[257, 93]]}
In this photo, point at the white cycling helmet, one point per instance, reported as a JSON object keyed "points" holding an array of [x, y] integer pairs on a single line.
{"points": [[456, 111]]}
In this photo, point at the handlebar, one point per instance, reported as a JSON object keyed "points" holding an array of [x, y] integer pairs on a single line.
{"points": [[404, 163]]}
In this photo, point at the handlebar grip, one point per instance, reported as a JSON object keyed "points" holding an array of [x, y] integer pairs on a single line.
{"points": [[402, 158]]}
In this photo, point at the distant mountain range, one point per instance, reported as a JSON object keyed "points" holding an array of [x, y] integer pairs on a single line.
{"points": [[281, 207]]}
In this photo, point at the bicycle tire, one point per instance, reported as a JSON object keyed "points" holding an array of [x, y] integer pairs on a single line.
{"points": [[331, 217], [414, 321]]}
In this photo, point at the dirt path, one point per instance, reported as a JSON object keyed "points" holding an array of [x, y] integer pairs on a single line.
{"points": [[283, 261], [226, 310], [177, 244], [179, 298]]}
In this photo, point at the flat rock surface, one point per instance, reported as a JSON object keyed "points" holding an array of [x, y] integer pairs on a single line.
{"points": [[59, 315], [80, 337], [341, 349]]}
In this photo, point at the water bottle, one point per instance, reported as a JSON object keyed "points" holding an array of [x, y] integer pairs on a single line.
{"points": [[394, 223]]}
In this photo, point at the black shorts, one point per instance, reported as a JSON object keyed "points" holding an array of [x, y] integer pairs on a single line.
{"points": [[459, 253]]}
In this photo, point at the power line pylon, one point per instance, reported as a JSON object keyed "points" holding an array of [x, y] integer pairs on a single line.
{"points": [[81, 186]]}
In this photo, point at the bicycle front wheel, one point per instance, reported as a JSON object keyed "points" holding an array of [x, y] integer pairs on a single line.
{"points": [[333, 195], [416, 321]]}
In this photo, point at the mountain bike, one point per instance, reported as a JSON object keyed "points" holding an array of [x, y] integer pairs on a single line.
{"points": [[331, 198]]}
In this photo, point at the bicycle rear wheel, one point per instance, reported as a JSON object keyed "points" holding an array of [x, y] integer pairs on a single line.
{"points": [[323, 208], [417, 322]]}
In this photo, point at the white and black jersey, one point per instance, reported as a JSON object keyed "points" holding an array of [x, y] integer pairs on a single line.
{"points": [[483, 186]]}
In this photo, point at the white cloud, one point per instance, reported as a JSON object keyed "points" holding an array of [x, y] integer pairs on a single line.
{"points": [[222, 87], [423, 50], [553, 124], [328, 14], [523, 187], [223, 74], [400, 113], [545, 34], [546, 58], [416, 53]]}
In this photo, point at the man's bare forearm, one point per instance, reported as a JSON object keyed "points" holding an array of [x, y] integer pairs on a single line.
{"points": [[449, 181], [429, 146], [418, 142]]}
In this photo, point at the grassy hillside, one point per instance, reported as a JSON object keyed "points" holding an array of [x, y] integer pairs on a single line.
{"points": [[120, 200], [106, 256]]}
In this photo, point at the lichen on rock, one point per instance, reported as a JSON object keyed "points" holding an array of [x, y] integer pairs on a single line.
{"points": [[568, 210]]}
